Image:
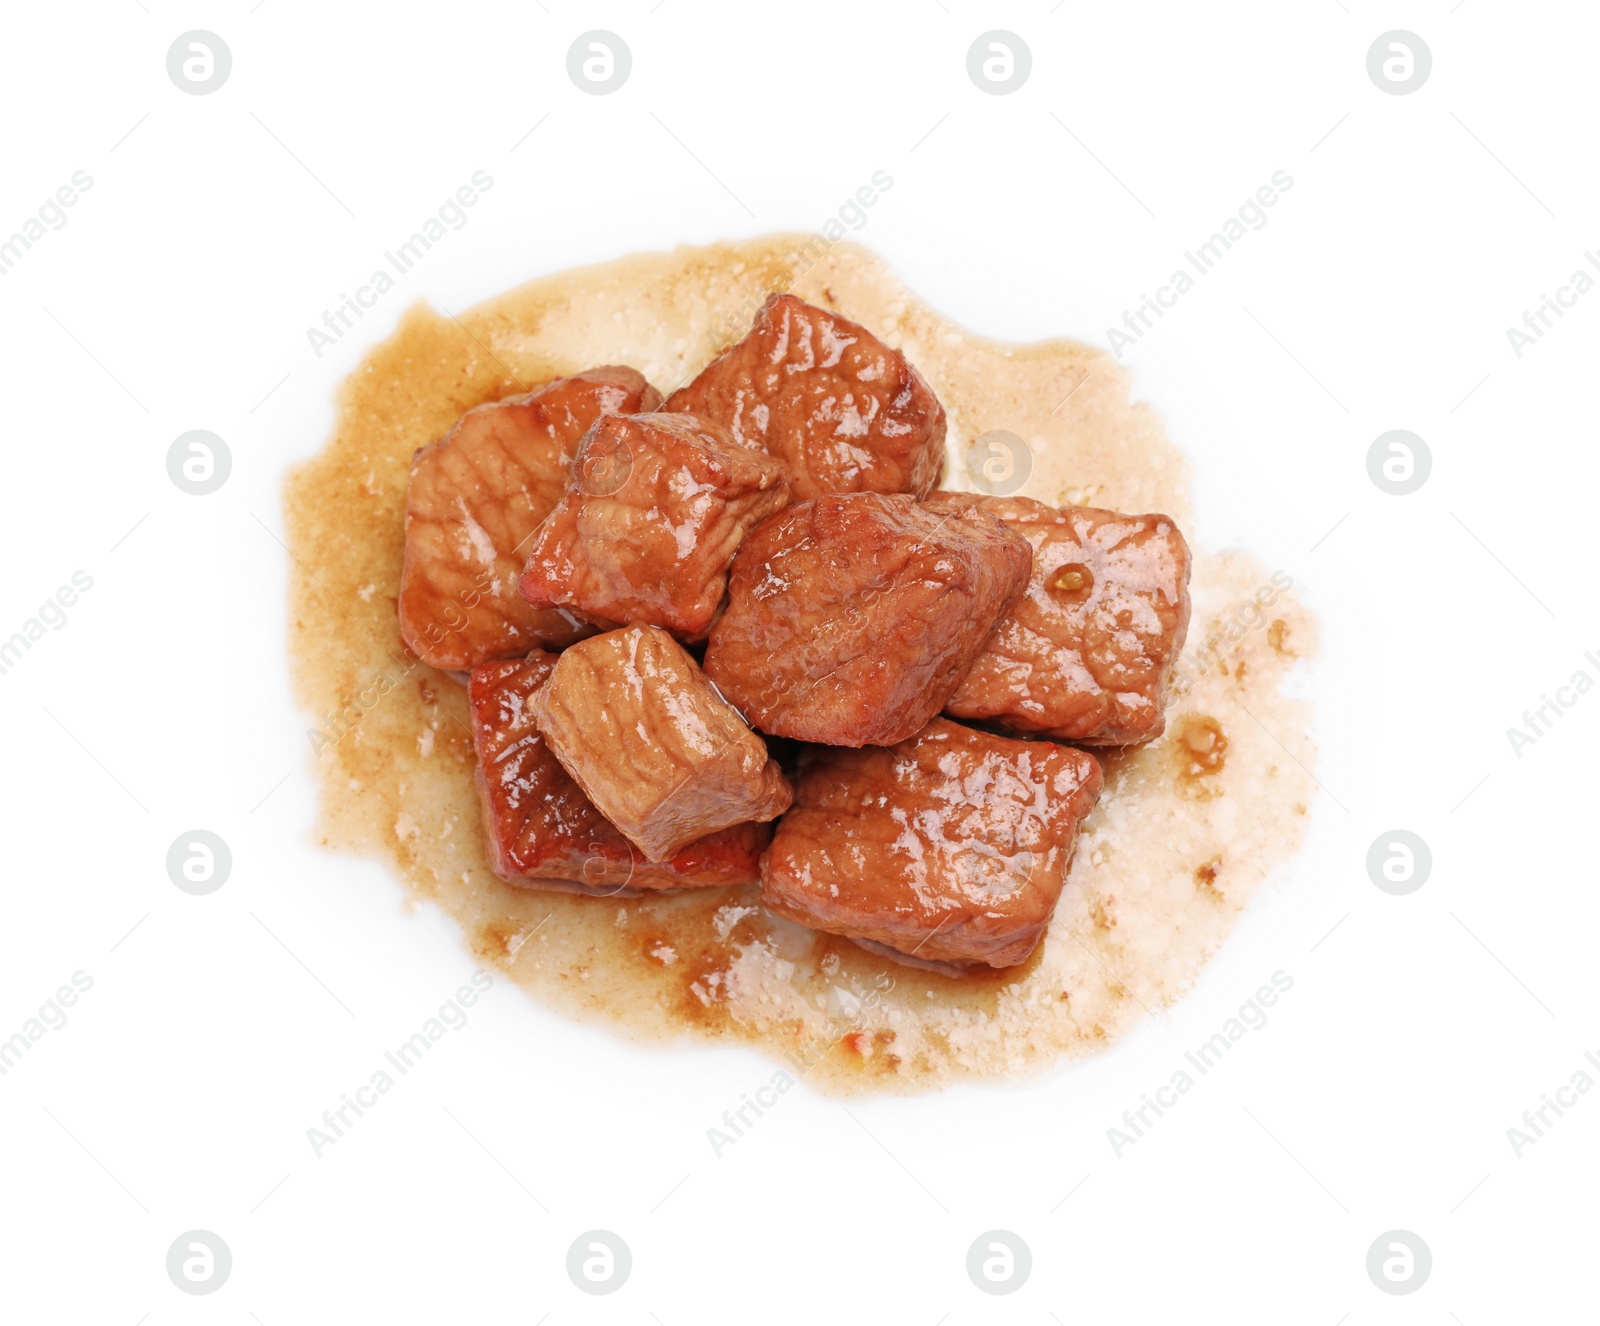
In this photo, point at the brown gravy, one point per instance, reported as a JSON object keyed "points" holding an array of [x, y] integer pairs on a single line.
{"points": [[1186, 831]]}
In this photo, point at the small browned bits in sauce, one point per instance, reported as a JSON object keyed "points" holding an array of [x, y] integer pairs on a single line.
{"points": [[1103, 911], [1201, 744], [1277, 635]]}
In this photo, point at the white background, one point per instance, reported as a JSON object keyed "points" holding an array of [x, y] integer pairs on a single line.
{"points": [[1419, 1028]]}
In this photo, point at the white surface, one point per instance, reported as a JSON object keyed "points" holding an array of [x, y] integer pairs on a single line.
{"points": [[1379, 1094]]}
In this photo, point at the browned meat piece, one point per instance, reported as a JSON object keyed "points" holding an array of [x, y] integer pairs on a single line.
{"points": [[633, 719], [852, 619], [474, 499], [1086, 654], [950, 847], [542, 831], [656, 510], [844, 411]]}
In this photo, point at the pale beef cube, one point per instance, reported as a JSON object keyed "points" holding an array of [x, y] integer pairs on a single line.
{"points": [[539, 828], [474, 499], [633, 719], [845, 412], [950, 847], [851, 620], [656, 509], [1087, 653]]}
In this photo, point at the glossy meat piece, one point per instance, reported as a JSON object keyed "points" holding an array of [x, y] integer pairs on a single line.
{"points": [[656, 509], [473, 500], [852, 619], [633, 719], [1087, 653], [845, 412], [540, 829], [950, 847]]}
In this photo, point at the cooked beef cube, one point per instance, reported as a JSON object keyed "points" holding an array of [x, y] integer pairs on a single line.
{"points": [[657, 507], [950, 847], [1086, 654], [633, 719], [852, 619], [474, 499], [540, 829], [844, 411]]}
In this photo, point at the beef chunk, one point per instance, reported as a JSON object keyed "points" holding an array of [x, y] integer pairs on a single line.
{"points": [[656, 510], [473, 500], [543, 832], [845, 412], [852, 619], [633, 719], [950, 847], [1086, 654]]}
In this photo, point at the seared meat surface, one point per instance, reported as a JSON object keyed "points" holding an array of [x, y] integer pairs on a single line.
{"points": [[852, 619], [657, 507], [474, 498], [845, 412], [1086, 654], [539, 827], [950, 847], [634, 720]]}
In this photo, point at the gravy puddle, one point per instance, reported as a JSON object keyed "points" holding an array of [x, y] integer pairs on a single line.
{"points": [[1187, 829]]}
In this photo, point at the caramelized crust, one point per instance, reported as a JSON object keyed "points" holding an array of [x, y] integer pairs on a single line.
{"points": [[845, 412], [473, 499], [656, 509], [950, 847], [851, 619], [636, 723], [542, 831], [1087, 653]]}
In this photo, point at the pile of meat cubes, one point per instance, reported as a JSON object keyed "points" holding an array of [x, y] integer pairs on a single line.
{"points": [[737, 636]]}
